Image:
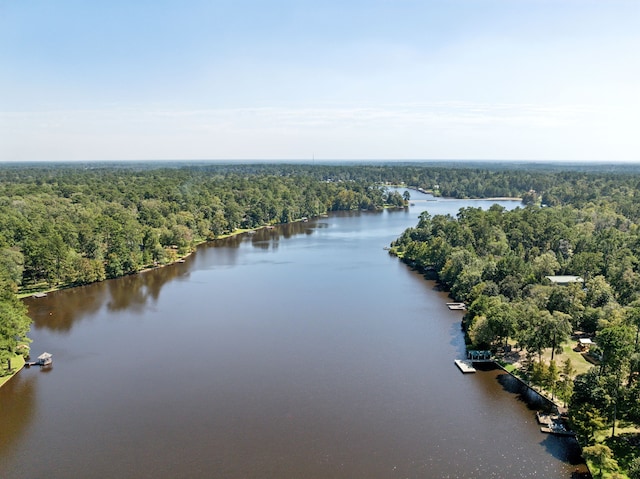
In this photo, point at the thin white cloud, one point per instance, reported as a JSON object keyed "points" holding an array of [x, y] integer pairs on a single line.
{"points": [[408, 114], [406, 130]]}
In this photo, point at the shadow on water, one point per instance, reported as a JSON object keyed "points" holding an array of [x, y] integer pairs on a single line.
{"points": [[524, 393], [265, 238], [563, 448], [455, 332], [60, 310], [457, 341]]}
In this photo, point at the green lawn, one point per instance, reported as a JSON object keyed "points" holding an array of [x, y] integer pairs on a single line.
{"points": [[578, 362], [16, 364]]}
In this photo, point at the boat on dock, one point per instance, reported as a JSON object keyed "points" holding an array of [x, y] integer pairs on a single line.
{"points": [[558, 429], [553, 424], [465, 366]]}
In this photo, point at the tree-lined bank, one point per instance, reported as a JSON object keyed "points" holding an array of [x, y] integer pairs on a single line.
{"points": [[499, 262]]}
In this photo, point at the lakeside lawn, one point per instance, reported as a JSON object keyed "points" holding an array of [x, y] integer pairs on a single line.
{"points": [[16, 364], [626, 440], [578, 361], [514, 363]]}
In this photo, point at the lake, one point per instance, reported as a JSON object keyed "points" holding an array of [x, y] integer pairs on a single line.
{"points": [[300, 351]]}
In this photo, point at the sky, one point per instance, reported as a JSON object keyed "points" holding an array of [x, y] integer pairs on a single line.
{"points": [[536, 80]]}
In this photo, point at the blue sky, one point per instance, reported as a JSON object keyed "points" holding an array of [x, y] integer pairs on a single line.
{"points": [[349, 79]]}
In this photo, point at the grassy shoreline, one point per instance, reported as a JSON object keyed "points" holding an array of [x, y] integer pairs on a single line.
{"points": [[17, 364]]}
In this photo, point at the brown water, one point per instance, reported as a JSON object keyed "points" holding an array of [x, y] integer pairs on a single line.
{"points": [[300, 352]]}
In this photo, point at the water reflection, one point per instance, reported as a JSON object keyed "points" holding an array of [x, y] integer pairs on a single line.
{"points": [[565, 449], [135, 293], [61, 309]]}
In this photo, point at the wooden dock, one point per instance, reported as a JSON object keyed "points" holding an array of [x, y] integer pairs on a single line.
{"points": [[465, 366], [456, 306]]}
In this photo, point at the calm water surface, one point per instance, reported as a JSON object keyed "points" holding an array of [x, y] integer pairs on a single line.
{"points": [[305, 351]]}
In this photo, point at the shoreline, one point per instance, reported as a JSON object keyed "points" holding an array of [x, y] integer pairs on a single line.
{"points": [[527, 385], [5, 379], [179, 259], [239, 231], [492, 198], [559, 409]]}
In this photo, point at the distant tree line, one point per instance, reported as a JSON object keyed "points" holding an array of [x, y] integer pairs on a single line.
{"points": [[78, 223]]}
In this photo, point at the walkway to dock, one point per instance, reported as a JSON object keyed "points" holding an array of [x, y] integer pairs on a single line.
{"points": [[45, 359]]}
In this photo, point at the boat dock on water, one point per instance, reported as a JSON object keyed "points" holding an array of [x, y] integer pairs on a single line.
{"points": [[456, 306], [465, 366], [45, 359], [473, 356]]}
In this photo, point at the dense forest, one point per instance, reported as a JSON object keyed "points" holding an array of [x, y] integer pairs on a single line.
{"points": [[71, 224], [76, 226]]}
